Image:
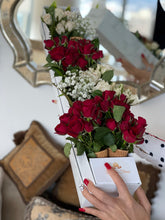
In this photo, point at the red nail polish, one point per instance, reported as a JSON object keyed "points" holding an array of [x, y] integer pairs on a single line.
{"points": [[119, 60], [108, 166], [142, 55], [86, 182], [81, 210]]}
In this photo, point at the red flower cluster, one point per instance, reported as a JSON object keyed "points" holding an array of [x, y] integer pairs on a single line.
{"points": [[85, 116], [72, 52]]}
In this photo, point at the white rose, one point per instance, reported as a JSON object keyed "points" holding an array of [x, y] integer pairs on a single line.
{"points": [[154, 45], [60, 28], [105, 68], [69, 26], [47, 19], [159, 52], [59, 13], [148, 45], [102, 86]]}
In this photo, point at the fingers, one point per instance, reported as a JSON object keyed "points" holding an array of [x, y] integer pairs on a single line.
{"points": [[93, 200], [148, 66], [99, 194], [121, 186], [93, 211], [143, 199]]}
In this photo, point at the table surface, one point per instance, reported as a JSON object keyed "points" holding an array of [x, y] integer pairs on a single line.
{"points": [[21, 104]]}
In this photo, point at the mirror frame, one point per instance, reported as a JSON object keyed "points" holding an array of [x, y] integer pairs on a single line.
{"points": [[21, 45]]}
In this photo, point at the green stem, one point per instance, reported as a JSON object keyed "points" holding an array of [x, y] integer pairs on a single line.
{"points": [[63, 93]]}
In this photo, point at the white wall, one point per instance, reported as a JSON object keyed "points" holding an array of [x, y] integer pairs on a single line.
{"points": [[20, 103]]}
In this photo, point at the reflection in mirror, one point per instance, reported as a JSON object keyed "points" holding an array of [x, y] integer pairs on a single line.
{"points": [[20, 22]]}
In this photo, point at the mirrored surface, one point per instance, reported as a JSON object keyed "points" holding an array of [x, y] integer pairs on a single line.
{"points": [[21, 25]]}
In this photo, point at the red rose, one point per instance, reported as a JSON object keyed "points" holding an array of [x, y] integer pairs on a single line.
{"points": [[75, 126], [64, 40], [49, 44], [129, 136], [73, 44], [77, 105], [65, 118], [108, 95], [105, 105], [88, 107], [68, 60], [97, 55], [88, 126], [61, 129], [123, 97], [76, 109], [87, 49], [57, 41], [58, 53], [111, 124], [82, 62], [139, 128], [124, 126], [97, 99]]}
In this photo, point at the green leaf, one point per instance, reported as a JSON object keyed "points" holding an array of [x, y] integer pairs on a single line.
{"points": [[91, 155], [74, 140], [113, 148], [97, 93], [100, 133], [109, 139], [80, 148], [68, 8], [108, 75], [96, 43], [48, 58], [96, 147], [57, 72], [67, 149], [131, 148], [118, 112]]}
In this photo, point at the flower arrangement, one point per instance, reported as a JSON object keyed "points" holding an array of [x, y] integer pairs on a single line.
{"points": [[150, 45], [99, 116], [104, 121]]}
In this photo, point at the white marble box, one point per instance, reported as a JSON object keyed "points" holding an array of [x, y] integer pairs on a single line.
{"points": [[95, 170]]}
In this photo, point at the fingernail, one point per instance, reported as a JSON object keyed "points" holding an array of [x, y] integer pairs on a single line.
{"points": [[86, 182], [81, 210], [142, 55], [119, 60], [108, 166]]}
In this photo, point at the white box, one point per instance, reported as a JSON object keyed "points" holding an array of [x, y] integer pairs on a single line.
{"points": [[95, 170], [117, 39]]}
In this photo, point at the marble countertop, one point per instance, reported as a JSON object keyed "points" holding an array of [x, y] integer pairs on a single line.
{"points": [[20, 104]]}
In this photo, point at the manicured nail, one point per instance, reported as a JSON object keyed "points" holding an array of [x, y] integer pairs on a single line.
{"points": [[119, 60], [86, 182], [54, 101], [142, 55], [108, 166], [81, 210]]}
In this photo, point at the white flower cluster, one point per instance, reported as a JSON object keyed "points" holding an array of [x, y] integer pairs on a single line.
{"points": [[80, 85], [47, 19], [67, 21], [85, 28], [119, 89], [154, 48]]}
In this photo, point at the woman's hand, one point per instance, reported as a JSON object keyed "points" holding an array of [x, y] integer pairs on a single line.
{"points": [[141, 75], [123, 207]]}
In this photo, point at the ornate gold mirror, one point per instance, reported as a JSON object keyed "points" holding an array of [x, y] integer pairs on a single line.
{"points": [[29, 55]]}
